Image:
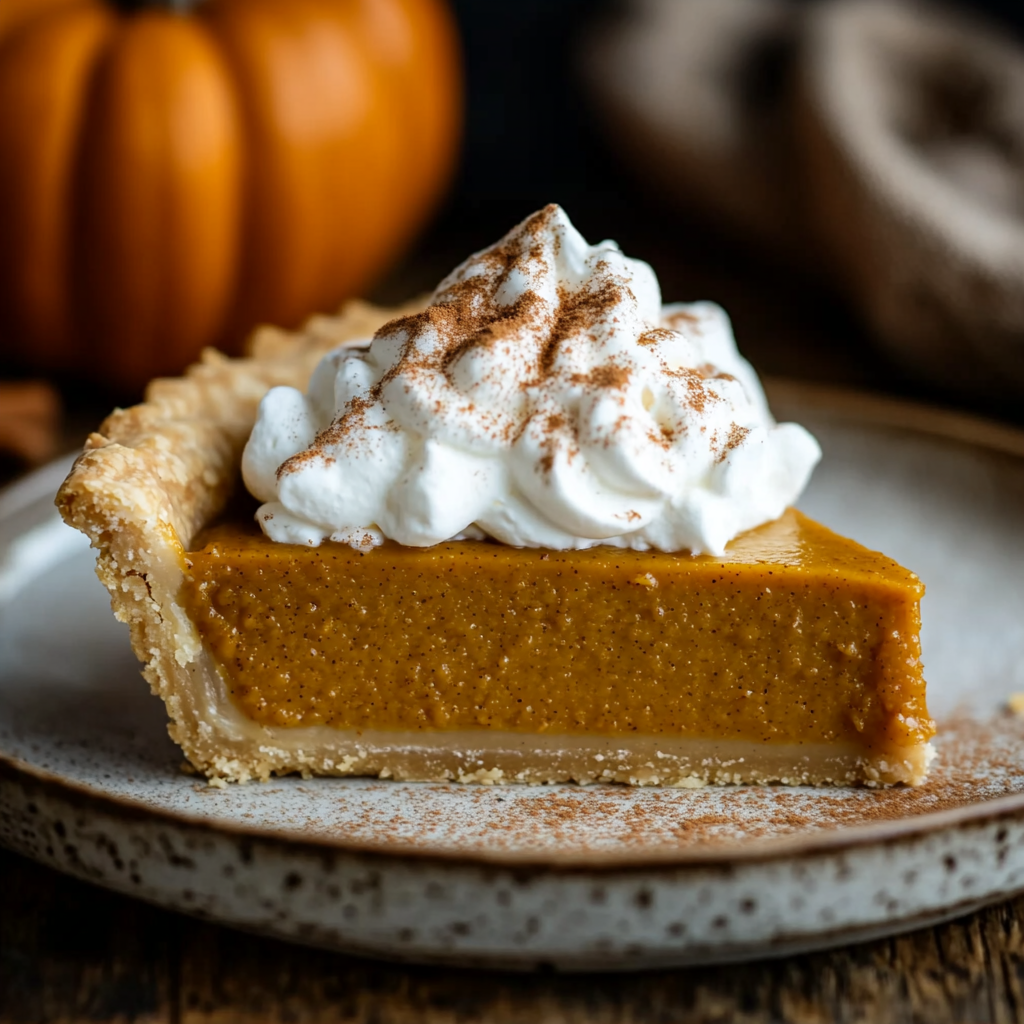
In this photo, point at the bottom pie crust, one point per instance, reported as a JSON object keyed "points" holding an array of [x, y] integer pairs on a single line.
{"points": [[236, 748]]}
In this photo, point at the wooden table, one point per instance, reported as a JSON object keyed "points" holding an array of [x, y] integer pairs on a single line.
{"points": [[70, 952]]}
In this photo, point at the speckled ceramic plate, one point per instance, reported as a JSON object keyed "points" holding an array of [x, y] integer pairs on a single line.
{"points": [[574, 877]]}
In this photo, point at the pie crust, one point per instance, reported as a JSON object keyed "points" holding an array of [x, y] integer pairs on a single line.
{"points": [[156, 475], [150, 479]]}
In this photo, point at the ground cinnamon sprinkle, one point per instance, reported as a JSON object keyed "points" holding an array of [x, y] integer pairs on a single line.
{"points": [[681, 317], [577, 312], [711, 372], [654, 336], [737, 435], [554, 423], [698, 392], [977, 761], [607, 376]]}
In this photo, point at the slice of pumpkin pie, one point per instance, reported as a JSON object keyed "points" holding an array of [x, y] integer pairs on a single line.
{"points": [[539, 530]]}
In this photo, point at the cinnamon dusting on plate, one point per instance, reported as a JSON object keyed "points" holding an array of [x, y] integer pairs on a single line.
{"points": [[977, 761]]}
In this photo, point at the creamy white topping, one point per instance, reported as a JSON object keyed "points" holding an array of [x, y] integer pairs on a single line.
{"points": [[544, 398]]}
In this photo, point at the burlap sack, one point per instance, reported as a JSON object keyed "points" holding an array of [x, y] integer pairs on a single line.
{"points": [[696, 97], [890, 151]]}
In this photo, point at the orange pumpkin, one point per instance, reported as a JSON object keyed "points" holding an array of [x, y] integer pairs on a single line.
{"points": [[168, 180]]}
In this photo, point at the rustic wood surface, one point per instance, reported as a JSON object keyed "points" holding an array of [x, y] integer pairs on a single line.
{"points": [[72, 952]]}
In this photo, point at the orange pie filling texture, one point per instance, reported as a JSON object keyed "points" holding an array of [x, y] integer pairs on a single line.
{"points": [[795, 635]]}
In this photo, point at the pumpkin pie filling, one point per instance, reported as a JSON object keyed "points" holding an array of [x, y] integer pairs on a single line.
{"points": [[795, 637]]}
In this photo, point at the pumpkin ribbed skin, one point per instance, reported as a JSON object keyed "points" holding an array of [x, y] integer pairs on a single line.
{"points": [[168, 181]]}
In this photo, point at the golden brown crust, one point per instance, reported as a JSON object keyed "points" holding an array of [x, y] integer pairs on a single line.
{"points": [[175, 457], [155, 474]]}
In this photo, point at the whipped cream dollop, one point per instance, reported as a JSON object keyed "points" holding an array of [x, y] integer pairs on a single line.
{"points": [[544, 398]]}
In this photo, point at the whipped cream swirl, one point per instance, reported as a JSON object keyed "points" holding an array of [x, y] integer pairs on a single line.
{"points": [[544, 398]]}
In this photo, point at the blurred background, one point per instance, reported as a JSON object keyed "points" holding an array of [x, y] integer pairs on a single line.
{"points": [[846, 177]]}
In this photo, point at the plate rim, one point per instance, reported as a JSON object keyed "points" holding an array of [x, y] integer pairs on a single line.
{"points": [[874, 409]]}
